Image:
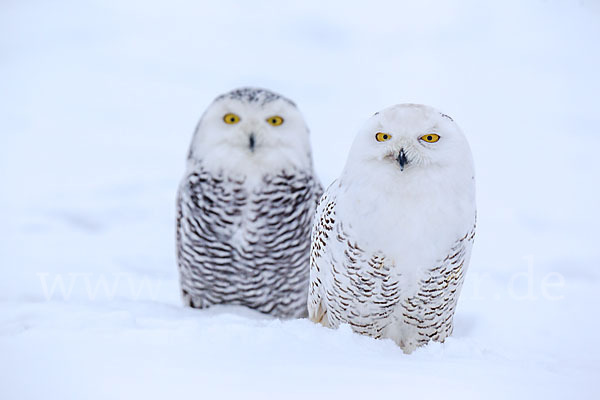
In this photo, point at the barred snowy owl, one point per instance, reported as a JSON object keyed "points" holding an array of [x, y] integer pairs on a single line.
{"points": [[245, 206], [392, 237]]}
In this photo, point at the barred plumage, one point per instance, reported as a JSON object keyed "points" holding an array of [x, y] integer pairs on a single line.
{"points": [[392, 238], [364, 289], [243, 227], [246, 247]]}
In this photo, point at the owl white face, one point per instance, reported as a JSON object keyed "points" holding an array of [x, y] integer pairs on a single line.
{"points": [[410, 173], [251, 131], [409, 138]]}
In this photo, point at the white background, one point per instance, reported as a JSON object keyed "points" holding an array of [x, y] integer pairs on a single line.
{"points": [[98, 101]]}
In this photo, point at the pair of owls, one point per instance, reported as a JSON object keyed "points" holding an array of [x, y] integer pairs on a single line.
{"points": [[384, 249]]}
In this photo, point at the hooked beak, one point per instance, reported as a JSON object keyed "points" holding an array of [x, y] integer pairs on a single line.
{"points": [[251, 142], [402, 160]]}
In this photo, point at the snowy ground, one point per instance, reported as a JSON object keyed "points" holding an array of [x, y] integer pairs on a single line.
{"points": [[98, 101]]}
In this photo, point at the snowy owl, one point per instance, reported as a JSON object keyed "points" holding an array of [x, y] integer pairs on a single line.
{"points": [[392, 237], [245, 206]]}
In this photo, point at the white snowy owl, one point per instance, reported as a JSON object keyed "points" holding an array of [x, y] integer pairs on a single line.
{"points": [[392, 236], [245, 206]]}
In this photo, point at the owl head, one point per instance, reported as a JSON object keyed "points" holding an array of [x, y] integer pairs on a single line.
{"points": [[410, 140], [251, 131]]}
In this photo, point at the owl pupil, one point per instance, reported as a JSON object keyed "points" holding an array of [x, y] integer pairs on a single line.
{"points": [[429, 137], [385, 136]]}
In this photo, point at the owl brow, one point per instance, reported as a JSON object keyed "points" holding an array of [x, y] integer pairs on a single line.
{"points": [[447, 116], [252, 95], [434, 129]]}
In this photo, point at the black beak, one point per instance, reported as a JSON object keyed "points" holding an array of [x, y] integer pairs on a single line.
{"points": [[251, 142], [402, 160]]}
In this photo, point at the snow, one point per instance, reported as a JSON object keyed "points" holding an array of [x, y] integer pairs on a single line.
{"points": [[98, 103]]}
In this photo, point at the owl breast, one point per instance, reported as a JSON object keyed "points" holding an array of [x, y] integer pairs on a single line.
{"points": [[373, 290], [246, 245], [362, 288]]}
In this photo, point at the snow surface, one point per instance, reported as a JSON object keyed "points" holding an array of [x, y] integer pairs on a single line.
{"points": [[98, 101]]}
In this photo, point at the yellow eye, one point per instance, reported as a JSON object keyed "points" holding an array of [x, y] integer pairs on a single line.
{"points": [[382, 137], [275, 120], [430, 138], [231, 119]]}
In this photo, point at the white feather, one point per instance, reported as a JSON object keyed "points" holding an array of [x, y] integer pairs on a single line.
{"points": [[413, 217], [245, 206]]}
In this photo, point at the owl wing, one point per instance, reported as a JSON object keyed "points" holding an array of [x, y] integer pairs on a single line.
{"points": [[431, 310], [317, 190], [207, 217], [348, 283], [185, 248], [322, 234]]}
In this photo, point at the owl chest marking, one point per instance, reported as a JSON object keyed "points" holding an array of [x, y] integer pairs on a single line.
{"points": [[246, 246], [431, 310], [363, 289]]}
